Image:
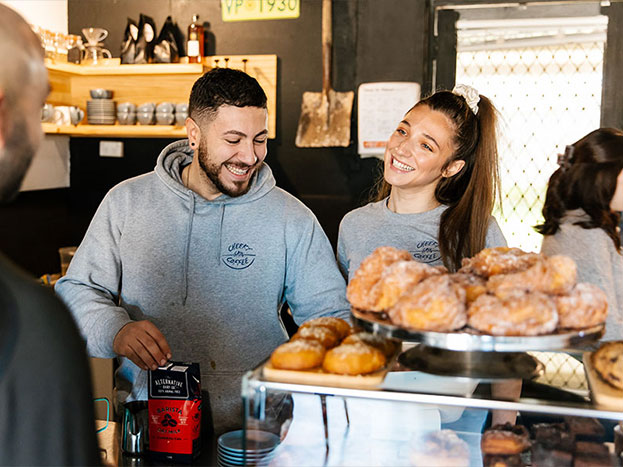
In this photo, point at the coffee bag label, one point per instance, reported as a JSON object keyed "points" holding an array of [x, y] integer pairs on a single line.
{"points": [[175, 412]]}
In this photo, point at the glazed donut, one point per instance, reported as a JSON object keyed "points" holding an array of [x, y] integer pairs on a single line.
{"points": [[398, 278], [505, 439], [585, 306], [441, 448], [298, 355], [353, 359], [519, 314], [327, 337], [435, 304], [473, 285], [501, 260], [360, 291], [387, 346], [341, 327], [555, 275]]}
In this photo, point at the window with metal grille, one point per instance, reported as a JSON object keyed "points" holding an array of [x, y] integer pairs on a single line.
{"points": [[545, 78]]}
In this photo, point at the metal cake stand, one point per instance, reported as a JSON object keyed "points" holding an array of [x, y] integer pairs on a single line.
{"points": [[468, 353], [468, 339]]}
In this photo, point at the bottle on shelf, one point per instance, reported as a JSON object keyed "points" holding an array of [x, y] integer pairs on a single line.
{"points": [[194, 45]]}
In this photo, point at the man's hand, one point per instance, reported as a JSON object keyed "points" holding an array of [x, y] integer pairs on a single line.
{"points": [[143, 344]]}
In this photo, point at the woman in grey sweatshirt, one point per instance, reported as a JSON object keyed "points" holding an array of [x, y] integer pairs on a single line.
{"points": [[581, 216]]}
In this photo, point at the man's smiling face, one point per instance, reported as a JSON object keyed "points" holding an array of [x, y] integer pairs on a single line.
{"points": [[232, 147]]}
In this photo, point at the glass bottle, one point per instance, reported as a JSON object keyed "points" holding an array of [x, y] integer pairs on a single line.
{"points": [[194, 45]]}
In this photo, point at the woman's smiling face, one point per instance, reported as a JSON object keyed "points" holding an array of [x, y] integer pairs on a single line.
{"points": [[419, 148]]}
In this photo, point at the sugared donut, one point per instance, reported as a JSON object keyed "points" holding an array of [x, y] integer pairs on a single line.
{"points": [[341, 327], [555, 275], [326, 336], [505, 439], [353, 359], [520, 314], [387, 346], [298, 355], [585, 306], [473, 285], [501, 260], [398, 278], [360, 291], [441, 448], [435, 304]]}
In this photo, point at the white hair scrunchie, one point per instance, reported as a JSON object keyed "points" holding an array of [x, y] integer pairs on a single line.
{"points": [[470, 95]]}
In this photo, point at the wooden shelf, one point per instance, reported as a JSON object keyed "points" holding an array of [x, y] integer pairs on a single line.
{"points": [[114, 68], [116, 131], [157, 82]]}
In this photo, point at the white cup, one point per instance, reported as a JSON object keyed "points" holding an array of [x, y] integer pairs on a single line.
{"points": [[62, 115]]}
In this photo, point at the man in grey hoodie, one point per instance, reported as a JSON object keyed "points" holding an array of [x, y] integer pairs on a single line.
{"points": [[194, 260]]}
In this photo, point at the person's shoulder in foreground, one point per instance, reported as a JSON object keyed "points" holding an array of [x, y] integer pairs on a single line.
{"points": [[46, 406]]}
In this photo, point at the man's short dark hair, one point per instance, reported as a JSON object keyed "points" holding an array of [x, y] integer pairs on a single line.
{"points": [[224, 86]]}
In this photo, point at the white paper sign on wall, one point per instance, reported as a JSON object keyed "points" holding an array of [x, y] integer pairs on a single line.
{"points": [[381, 106]]}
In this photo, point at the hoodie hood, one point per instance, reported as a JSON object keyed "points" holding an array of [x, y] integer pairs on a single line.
{"points": [[179, 154]]}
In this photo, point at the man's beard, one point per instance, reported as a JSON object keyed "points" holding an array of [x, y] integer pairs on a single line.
{"points": [[213, 171], [15, 159]]}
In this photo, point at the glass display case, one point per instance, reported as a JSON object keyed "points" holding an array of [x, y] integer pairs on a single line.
{"points": [[318, 423]]}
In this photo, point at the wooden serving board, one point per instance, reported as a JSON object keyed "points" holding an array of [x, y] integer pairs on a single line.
{"points": [[321, 378], [601, 392]]}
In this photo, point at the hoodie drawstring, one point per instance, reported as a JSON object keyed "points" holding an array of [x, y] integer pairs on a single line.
{"points": [[220, 234], [191, 212]]}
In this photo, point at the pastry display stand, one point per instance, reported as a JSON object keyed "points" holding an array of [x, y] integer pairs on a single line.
{"points": [[470, 346]]}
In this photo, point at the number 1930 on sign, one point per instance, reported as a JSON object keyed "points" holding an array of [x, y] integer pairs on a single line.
{"points": [[246, 10]]}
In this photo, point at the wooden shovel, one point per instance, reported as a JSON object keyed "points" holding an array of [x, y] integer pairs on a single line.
{"points": [[325, 116]]}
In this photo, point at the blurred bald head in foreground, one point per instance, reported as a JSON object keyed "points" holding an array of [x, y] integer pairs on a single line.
{"points": [[23, 89]]}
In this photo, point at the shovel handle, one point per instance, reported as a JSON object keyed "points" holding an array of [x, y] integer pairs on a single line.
{"points": [[327, 44]]}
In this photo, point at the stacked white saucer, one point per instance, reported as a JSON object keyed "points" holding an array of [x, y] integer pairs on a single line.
{"points": [[258, 450]]}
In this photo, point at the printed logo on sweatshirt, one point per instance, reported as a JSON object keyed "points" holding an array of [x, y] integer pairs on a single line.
{"points": [[426, 251], [238, 256]]}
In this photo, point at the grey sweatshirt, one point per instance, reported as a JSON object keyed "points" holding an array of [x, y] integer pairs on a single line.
{"points": [[211, 275], [598, 263], [373, 225]]}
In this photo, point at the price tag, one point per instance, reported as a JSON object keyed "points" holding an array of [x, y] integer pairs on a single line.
{"points": [[247, 10]]}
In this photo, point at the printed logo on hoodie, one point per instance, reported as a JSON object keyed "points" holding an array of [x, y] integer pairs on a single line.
{"points": [[238, 256]]}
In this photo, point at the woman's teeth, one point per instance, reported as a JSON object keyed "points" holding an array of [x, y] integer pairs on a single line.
{"points": [[236, 170], [401, 166]]}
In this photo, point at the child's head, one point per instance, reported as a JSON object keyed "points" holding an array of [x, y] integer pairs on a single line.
{"points": [[587, 179], [447, 144]]}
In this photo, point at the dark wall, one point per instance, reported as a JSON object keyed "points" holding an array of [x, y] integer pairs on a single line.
{"points": [[372, 41]]}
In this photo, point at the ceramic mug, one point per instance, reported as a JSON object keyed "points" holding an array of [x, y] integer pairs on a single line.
{"points": [[145, 118], [66, 114], [76, 114], [126, 107], [47, 113], [146, 107], [180, 118], [61, 115], [165, 118], [126, 118], [165, 108]]}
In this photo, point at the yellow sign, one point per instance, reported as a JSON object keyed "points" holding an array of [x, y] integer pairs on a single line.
{"points": [[245, 10]]}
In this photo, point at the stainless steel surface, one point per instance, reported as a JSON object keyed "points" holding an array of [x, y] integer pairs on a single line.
{"points": [[470, 340], [134, 430], [474, 364], [253, 382]]}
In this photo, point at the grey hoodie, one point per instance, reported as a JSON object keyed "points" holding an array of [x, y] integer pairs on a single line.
{"points": [[211, 275]]}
